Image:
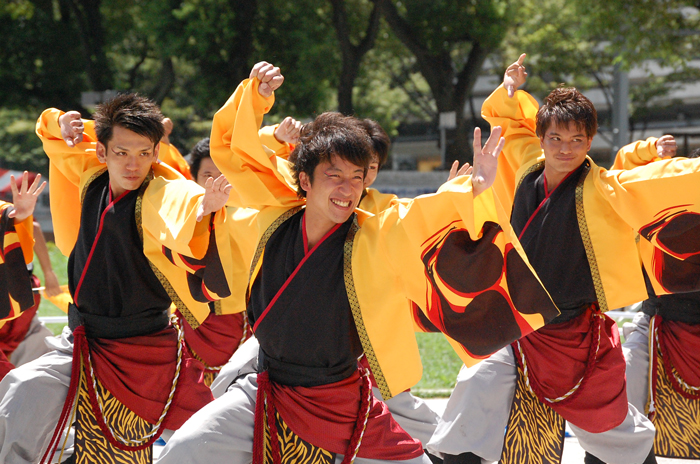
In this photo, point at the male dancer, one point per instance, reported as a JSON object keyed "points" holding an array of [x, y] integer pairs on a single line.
{"points": [[16, 253], [324, 290], [577, 223], [146, 238], [667, 332], [410, 412]]}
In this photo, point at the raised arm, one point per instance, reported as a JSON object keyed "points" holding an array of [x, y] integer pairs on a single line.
{"points": [[514, 111], [643, 152], [281, 138], [260, 180]]}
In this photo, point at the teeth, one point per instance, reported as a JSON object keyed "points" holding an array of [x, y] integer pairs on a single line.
{"points": [[343, 204]]}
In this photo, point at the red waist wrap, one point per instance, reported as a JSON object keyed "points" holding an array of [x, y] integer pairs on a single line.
{"points": [[216, 339], [585, 349], [680, 348], [139, 372], [326, 417], [14, 330]]}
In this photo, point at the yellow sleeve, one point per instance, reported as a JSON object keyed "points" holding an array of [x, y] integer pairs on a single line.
{"points": [[639, 153], [456, 257], [517, 118], [259, 180], [267, 138], [193, 259], [25, 233], [375, 202], [66, 168], [171, 156]]}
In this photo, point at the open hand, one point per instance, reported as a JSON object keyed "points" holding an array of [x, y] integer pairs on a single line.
{"points": [[24, 198], [515, 76], [486, 159], [215, 196], [270, 78], [465, 170], [288, 131], [72, 128], [666, 146]]}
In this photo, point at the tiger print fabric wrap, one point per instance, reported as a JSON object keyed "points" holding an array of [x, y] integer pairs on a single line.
{"points": [[91, 446], [676, 418], [535, 433], [294, 450]]}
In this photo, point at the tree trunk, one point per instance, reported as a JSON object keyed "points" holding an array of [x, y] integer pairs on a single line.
{"points": [[449, 90], [89, 20], [352, 54]]}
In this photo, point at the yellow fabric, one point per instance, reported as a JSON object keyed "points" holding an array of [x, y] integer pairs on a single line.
{"points": [[25, 234], [616, 204], [171, 156], [62, 300], [386, 254], [639, 153], [268, 139], [168, 210]]}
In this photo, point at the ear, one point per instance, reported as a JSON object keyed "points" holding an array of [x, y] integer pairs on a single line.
{"points": [[542, 143], [304, 181], [101, 151], [590, 142], [156, 150]]}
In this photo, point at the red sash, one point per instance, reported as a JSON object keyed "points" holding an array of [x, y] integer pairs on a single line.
{"points": [[577, 368], [215, 340], [679, 343], [327, 416]]}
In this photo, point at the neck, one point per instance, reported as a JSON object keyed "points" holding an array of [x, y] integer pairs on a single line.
{"points": [[315, 228]]}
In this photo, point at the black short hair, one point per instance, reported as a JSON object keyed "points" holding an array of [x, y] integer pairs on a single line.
{"points": [[198, 153], [327, 135], [130, 111], [380, 140], [566, 105]]}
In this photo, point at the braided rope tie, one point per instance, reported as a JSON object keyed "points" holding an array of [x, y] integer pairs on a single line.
{"points": [[366, 381], [652, 366], [156, 427], [574, 388]]}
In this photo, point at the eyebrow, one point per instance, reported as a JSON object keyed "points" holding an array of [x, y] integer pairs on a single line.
{"points": [[126, 149], [580, 134]]}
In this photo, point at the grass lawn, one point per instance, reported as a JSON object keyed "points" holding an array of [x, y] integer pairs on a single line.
{"points": [[440, 363]]}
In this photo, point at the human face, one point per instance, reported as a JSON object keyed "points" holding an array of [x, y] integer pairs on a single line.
{"points": [[565, 148], [372, 171], [129, 157], [207, 169], [334, 193]]}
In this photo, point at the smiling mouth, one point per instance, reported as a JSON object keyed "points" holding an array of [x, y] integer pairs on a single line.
{"points": [[342, 204]]}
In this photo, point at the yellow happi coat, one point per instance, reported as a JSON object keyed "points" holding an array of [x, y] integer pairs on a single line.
{"points": [[12, 272], [165, 212], [384, 257], [612, 206]]}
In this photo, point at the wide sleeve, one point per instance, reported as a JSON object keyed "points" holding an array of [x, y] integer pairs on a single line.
{"points": [[458, 259], [517, 118], [171, 156], [194, 257], [17, 240], [268, 139], [66, 169], [661, 202], [259, 178], [639, 153]]}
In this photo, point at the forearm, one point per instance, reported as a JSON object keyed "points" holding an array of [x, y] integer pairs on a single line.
{"points": [[41, 250], [236, 149]]}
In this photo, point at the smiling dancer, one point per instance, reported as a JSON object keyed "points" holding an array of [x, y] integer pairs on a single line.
{"points": [[330, 283]]}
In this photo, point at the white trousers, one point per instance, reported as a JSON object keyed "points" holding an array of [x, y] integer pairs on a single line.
{"points": [[477, 414]]}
